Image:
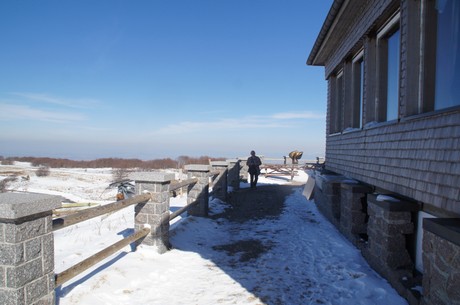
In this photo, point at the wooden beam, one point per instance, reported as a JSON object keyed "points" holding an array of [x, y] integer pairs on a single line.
{"points": [[178, 185], [181, 210], [96, 258], [68, 220]]}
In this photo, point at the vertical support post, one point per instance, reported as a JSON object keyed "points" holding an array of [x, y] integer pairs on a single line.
{"points": [[220, 186], [441, 261], [155, 212], [353, 211], [390, 222], [27, 249], [234, 173], [198, 191]]}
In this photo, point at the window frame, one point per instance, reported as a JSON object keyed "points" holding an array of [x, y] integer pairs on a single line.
{"points": [[336, 111], [430, 59], [358, 81], [383, 35]]}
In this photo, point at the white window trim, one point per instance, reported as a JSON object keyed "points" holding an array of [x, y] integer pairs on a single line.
{"points": [[393, 21], [358, 56]]}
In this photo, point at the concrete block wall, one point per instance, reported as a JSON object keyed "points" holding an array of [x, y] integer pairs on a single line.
{"points": [[390, 223], [353, 211], [328, 196], [441, 261], [381, 226]]}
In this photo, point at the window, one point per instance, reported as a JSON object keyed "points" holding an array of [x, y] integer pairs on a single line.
{"points": [[447, 84], [337, 104], [388, 42], [358, 90]]}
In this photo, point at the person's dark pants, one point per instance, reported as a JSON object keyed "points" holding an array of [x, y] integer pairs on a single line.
{"points": [[254, 179]]}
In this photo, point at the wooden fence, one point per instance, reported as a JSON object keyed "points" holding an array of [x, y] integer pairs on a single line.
{"points": [[84, 215], [151, 225]]}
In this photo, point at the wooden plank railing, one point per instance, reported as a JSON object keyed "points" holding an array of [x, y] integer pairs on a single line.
{"points": [[215, 177], [62, 222], [76, 269], [83, 215], [178, 185], [181, 210]]}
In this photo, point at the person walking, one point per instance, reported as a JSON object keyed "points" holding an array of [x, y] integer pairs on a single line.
{"points": [[253, 164]]}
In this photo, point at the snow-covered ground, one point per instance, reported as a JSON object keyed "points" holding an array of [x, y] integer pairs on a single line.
{"points": [[314, 263]]}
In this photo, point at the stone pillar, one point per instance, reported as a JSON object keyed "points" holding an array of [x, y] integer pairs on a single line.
{"points": [[233, 179], [353, 211], [198, 191], [243, 173], [390, 221], [220, 186], [327, 196], [155, 212], [441, 261], [27, 249]]}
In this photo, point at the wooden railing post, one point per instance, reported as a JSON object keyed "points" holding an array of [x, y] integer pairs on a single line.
{"points": [[233, 179], [27, 249], [220, 185], [198, 192], [155, 212]]}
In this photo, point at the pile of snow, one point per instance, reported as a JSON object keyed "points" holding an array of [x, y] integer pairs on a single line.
{"points": [[310, 261]]}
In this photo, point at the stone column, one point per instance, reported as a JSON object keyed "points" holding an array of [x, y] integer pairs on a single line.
{"points": [[327, 196], [233, 179], [353, 211], [390, 221], [27, 249], [155, 212], [441, 261], [198, 191], [220, 186]]}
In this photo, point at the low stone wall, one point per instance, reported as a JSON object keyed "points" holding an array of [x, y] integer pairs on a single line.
{"points": [[328, 196], [382, 227]]}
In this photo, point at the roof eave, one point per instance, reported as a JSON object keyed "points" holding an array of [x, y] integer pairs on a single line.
{"points": [[328, 22]]}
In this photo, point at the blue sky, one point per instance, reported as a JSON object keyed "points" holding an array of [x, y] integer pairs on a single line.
{"points": [[152, 79]]}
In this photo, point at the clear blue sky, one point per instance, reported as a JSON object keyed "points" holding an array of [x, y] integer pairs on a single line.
{"points": [[152, 79]]}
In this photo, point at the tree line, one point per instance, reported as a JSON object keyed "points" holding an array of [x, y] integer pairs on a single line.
{"points": [[164, 163]]}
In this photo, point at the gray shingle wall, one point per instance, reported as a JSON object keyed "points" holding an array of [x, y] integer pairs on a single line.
{"points": [[371, 12], [416, 158]]}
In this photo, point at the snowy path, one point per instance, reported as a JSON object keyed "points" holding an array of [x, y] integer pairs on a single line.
{"points": [[292, 257], [298, 258]]}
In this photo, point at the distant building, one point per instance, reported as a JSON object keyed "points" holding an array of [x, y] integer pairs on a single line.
{"points": [[392, 178]]}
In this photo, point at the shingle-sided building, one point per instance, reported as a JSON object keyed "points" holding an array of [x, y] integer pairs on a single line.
{"points": [[391, 182]]}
